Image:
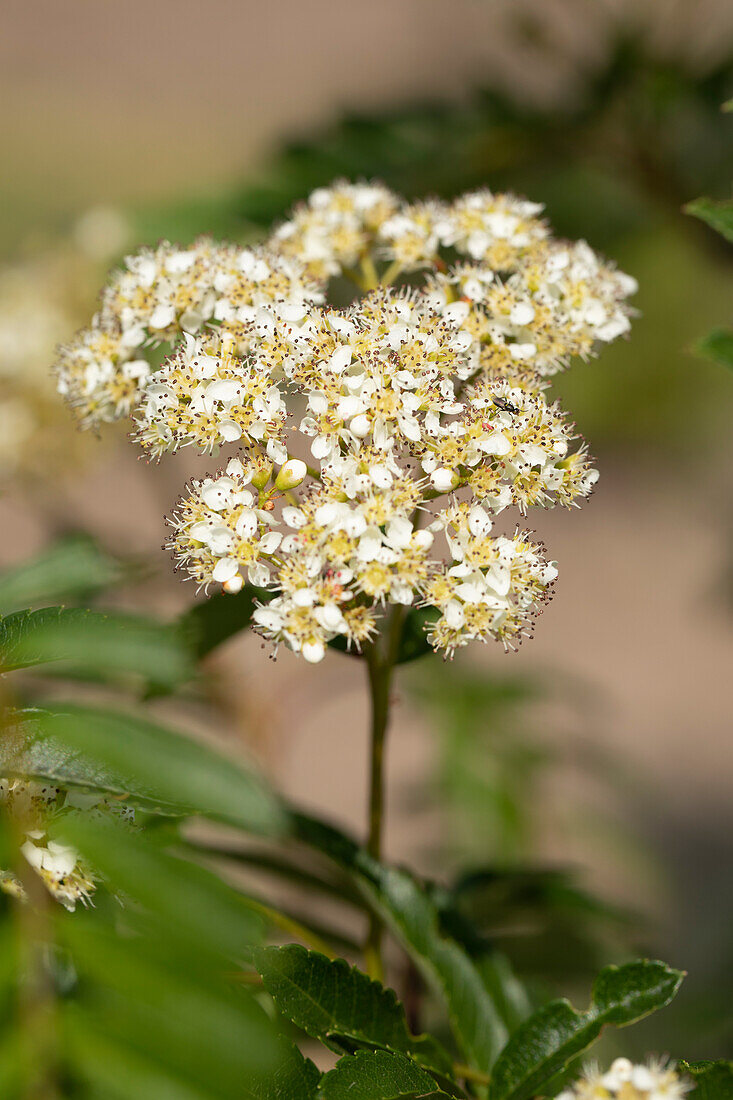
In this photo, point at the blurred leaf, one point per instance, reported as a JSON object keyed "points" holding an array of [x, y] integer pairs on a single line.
{"points": [[376, 1075], [413, 917], [143, 760], [718, 215], [184, 897], [157, 1002], [556, 1033], [133, 998], [111, 645], [219, 617], [713, 1080], [332, 1001], [718, 346], [73, 568]]}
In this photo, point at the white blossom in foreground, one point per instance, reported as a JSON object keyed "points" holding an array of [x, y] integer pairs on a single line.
{"points": [[656, 1079], [378, 442], [35, 809]]}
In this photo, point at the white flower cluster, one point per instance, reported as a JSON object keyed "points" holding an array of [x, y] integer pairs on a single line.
{"points": [[655, 1080], [377, 442], [36, 809]]}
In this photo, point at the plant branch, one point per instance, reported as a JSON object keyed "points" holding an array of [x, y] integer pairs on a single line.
{"points": [[381, 657]]}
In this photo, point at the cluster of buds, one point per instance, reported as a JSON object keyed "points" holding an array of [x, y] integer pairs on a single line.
{"points": [[654, 1080], [36, 810], [376, 443]]}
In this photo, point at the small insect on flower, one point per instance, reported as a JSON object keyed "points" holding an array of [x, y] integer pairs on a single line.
{"points": [[376, 442]]}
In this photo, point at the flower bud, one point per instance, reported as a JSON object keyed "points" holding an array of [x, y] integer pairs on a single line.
{"points": [[291, 474], [443, 480], [262, 474], [233, 585]]}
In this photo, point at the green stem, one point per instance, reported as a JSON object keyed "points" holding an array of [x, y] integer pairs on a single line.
{"points": [[381, 658]]}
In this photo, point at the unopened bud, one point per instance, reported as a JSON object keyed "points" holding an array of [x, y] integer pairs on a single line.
{"points": [[262, 475], [291, 474], [444, 480], [233, 585]]}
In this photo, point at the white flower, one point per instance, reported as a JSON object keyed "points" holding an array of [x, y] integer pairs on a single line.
{"points": [[400, 400]]}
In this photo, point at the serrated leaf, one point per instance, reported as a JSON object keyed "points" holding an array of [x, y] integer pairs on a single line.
{"points": [[72, 568], [112, 645], [414, 919], [333, 1002], [376, 1075], [718, 346], [718, 215], [547, 1041], [123, 754], [713, 1080]]}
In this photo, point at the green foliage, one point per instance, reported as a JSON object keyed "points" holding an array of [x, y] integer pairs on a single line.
{"points": [[142, 760], [79, 642], [149, 993], [73, 568], [294, 1078], [341, 1006], [718, 215], [713, 1080], [377, 1075], [211, 622], [718, 346], [414, 919], [96, 1008], [546, 1042]]}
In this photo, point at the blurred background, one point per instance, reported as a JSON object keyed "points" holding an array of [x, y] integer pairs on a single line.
{"points": [[598, 762]]}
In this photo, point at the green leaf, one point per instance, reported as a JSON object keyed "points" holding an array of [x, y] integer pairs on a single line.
{"points": [[296, 1078], [474, 1018], [213, 621], [545, 1043], [73, 568], [718, 215], [122, 754], [413, 917], [111, 645], [718, 346], [333, 1002], [713, 1080], [376, 1075]]}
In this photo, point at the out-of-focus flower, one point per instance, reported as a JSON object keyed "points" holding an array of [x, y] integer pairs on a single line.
{"points": [[43, 298], [37, 809]]}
